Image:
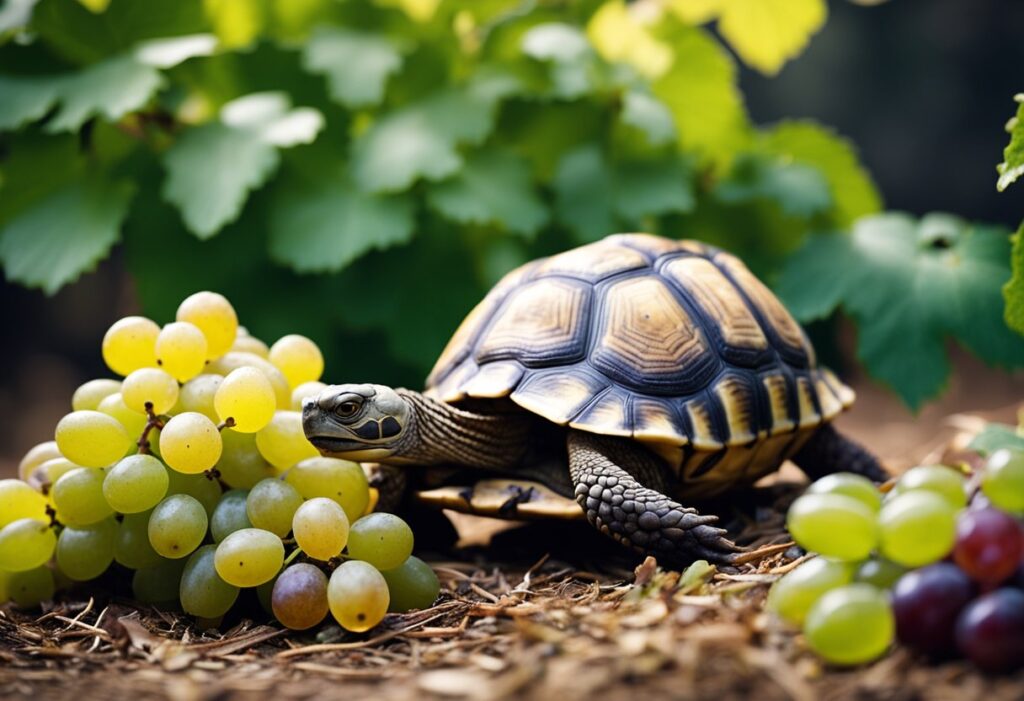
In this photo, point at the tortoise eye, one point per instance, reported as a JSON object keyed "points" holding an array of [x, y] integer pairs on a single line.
{"points": [[347, 409]]}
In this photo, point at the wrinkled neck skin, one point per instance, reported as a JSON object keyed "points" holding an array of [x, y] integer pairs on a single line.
{"points": [[440, 434]]}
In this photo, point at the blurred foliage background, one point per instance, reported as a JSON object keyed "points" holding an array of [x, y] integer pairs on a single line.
{"points": [[361, 171]]}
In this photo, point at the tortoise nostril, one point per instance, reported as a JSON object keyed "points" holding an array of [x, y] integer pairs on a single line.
{"points": [[308, 403]]}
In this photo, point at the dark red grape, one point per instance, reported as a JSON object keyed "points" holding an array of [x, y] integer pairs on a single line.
{"points": [[299, 599], [990, 631], [926, 603], [989, 544]]}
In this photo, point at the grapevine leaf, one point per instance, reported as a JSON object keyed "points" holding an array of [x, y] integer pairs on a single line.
{"points": [[996, 437], [568, 52], [909, 285], [95, 6], [270, 117], [328, 227], [696, 11], [420, 140], [15, 14], [852, 189], [799, 190], [494, 187], [357, 65], [167, 53], [210, 171], [767, 33], [236, 22], [1012, 166], [619, 35], [111, 88], [1013, 291], [649, 115], [653, 188], [65, 234], [25, 99]]}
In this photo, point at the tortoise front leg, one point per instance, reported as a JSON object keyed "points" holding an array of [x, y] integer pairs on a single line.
{"points": [[620, 506]]}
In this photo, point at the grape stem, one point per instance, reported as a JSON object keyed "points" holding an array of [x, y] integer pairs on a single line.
{"points": [[227, 423], [52, 513], [153, 421], [288, 560]]}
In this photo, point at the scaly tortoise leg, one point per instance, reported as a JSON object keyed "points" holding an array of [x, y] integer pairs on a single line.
{"points": [[611, 478], [829, 451]]}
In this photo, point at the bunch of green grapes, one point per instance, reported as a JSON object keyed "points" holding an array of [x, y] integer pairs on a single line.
{"points": [[193, 471]]}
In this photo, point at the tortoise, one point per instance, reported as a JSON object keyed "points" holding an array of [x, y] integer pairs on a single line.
{"points": [[631, 375]]}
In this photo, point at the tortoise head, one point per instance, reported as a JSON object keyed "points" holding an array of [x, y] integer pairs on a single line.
{"points": [[356, 422]]}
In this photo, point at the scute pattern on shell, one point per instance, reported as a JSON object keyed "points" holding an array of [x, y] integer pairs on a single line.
{"points": [[674, 343]]}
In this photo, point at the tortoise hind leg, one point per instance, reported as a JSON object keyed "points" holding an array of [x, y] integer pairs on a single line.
{"points": [[611, 477], [829, 451]]}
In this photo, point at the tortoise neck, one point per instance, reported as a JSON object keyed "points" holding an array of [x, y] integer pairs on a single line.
{"points": [[439, 433]]}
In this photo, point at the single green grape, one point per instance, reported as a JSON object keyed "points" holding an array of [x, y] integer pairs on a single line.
{"points": [[190, 443], [130, 344], [247, 397], [916, 528], [91, 439], [202, 488], [852, 485], [90, 394], [320, 528], [944, 481], [214, 316], [233, 360], [357, 595], [150, 386], [158, 583], [1003, 480], [249, 344], [298, 358], [833, 525], [850, 625], [879, 572], [229, 515], [78, 497], [133, 421], [241, 466], [86, 553], [282, 441], [384, 540], [177, 526], [181, 350], [271, 505], [304, 391], [299, 597], [197, 395], [249, 557], [342, 481], [792, 596], [19, 500], [30, 588], [137, 483], [50, 471], [25, 544], [131, 546], [202, 591], [411, 585], [36, 456]]}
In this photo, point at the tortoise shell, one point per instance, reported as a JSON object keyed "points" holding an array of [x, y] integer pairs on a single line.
{"points": [[673, 343]]}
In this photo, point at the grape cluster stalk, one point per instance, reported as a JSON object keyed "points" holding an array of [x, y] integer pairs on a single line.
{"points": [[193, 474]]}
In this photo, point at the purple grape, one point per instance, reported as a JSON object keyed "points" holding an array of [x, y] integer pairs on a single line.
{"points": [[990, 631], [989, 544], [926, 603]]}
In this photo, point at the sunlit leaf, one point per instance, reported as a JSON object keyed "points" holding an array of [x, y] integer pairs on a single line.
{"points": [[569, 54], [167, 53], [996, 437], [797, 189], [1013, 155], [270, 116], [357, 64], [618, 33], [111, 88], [236, 22], [15, 14], [650, 116], [767, 33], [96, 6], [1013, 291], [419, 10]]}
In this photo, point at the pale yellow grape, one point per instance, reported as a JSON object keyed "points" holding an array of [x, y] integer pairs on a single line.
{"points": [[306, 389], [137, 483], [130, 344], [51, 471], [233, 360], [271, 505], [177, 526], [25, 544], [89, 395], [197, 395], [246, 396], [78, 497], [181, 350], [250, 344], [133, 421], [190, 443], [214, 316], [241, 466], [282, 441], [91, 438], [358, 596], [36, 456], [342, 481], [249, 557], [298, 358], [150, 385], [320, 528]]}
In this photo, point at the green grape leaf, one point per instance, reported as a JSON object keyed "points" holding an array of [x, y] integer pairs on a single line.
{"points": [[15, 14], [1013, 155], [111, 88], [269, 115], [1013, 291], [357, 64], [567, 52], [799, 190], [324, 228], [620, 35], [25, 99], [767, 33], [909, 286], [494, 187], [65, 234], [852, 189], [652, 188], [420, 140], [649, 115], [168, 53], [996, 437]]}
